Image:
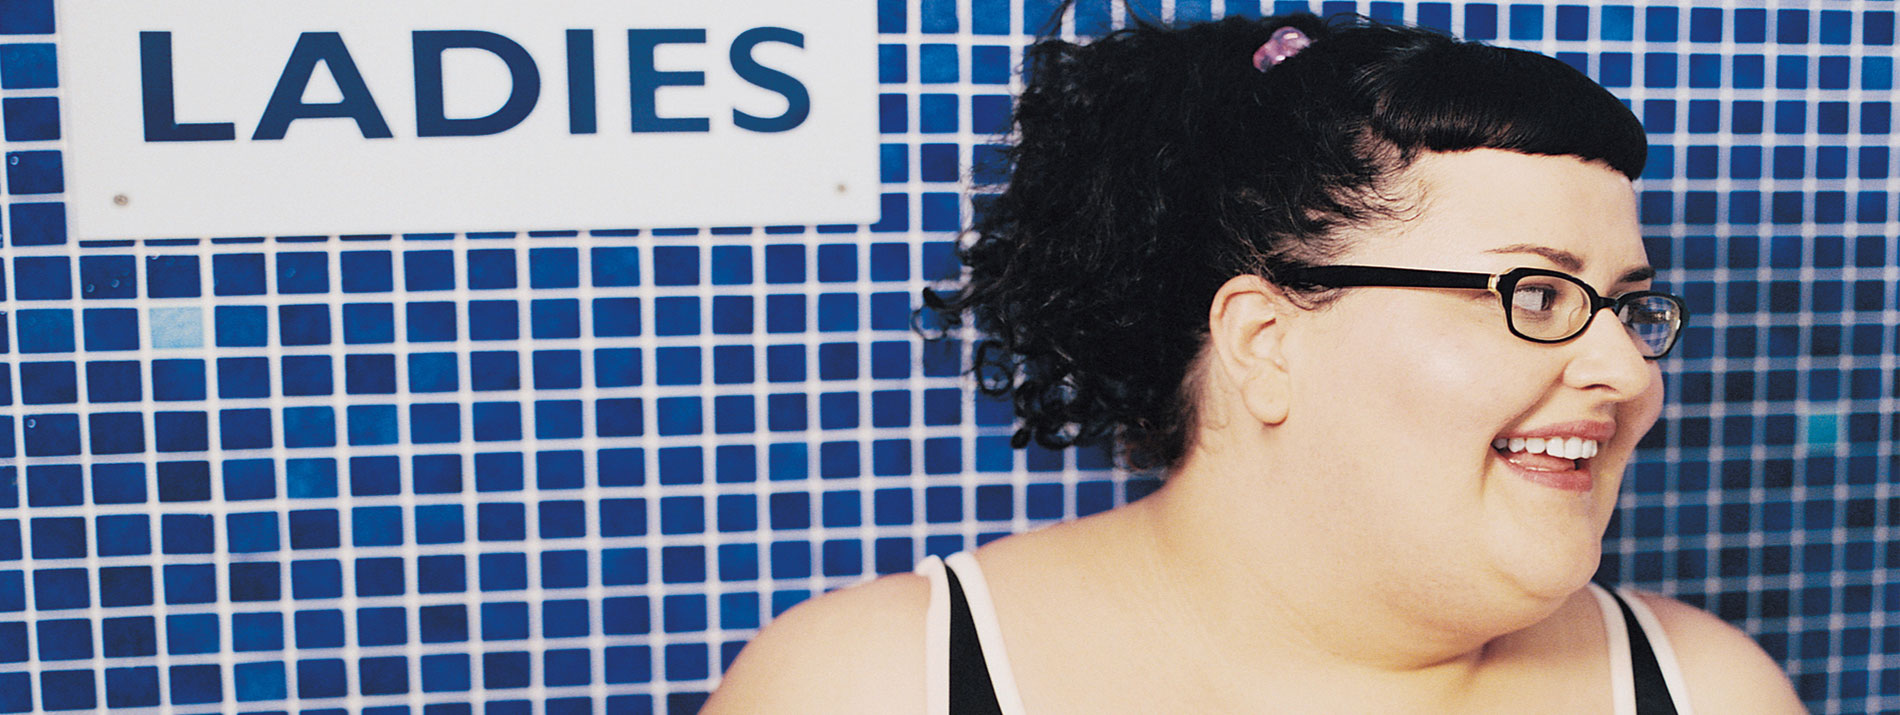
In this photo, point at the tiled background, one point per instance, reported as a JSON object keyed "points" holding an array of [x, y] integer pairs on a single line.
{"points": [[573, 471]]}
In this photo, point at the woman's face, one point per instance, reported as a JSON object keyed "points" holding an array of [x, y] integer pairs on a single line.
{"points": [[1399, 394]]}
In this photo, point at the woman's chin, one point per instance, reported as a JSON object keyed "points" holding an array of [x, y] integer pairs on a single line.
{"points": [[1554, 572]]}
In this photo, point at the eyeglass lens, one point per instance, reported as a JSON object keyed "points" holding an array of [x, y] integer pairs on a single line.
{"points": [[1552, 308], [1548, 307], [1653, 320]]}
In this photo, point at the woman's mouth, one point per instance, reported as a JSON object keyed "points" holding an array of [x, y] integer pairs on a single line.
{"points": [[1556, 462]]}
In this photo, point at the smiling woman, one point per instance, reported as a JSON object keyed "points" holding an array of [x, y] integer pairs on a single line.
{"points": [[1376, 302]]}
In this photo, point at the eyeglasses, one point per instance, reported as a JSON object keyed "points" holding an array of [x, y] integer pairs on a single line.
{"points": [[1542, 306]]}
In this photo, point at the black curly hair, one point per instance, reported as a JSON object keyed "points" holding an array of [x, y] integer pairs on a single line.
{"points": [[1151, 165]]}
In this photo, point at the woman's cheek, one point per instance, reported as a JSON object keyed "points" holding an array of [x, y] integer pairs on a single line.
{"points": [[1640, 414], [1452, 374]]}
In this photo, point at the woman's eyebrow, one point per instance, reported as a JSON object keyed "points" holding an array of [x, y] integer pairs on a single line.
{"points": [[1564, 259], [1570, 262]]}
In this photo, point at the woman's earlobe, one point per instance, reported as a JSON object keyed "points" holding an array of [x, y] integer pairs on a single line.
{"points": [[1267, 399]]}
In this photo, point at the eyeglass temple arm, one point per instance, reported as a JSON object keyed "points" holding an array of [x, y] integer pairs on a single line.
{"points": [[1337, 276]]}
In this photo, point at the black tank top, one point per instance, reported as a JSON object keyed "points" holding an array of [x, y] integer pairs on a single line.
{"points": [[973, 693]]}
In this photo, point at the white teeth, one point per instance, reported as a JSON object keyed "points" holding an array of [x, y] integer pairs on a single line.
{"points": [[1560, 447]]}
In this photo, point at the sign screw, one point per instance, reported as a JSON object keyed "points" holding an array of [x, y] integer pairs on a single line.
{"points": [[121, 200]]}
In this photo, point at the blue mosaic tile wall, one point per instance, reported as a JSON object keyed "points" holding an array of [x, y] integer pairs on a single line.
{"points": [[574, 471]]}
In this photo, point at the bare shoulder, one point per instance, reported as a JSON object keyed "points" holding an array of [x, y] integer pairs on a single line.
{"points": [[856, 650], [1724, 669]]}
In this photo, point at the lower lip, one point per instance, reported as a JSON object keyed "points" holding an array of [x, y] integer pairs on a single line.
{"points": [[1570, 480]]}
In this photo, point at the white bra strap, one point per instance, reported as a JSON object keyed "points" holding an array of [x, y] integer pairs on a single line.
{"points": [[1665, 655], [936, 638], [1622, 676], [983, 611]]}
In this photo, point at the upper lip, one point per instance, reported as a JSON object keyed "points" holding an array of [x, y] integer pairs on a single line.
{"points": [[1586, 429]]}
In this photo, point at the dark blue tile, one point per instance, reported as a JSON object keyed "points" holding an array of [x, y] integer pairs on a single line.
{"points": [[196, 684], [111, 381], [183, 481], [32, 172], [314, 529], [553, 268], [52, 435], [38, 223], [428, 270], [241, 326], [48, 383], [26, 17], [45, 330], [366, 272], [116, 433], [118, 483], [111, 329], [108, 277], [132, 687], [42, 278], [60, 589], [303, 272], [237, 274], [491, 268], [615, 266], [67, 689]]}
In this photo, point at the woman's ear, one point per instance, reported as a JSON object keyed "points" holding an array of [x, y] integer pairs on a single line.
{"points": [[1247, 325]]}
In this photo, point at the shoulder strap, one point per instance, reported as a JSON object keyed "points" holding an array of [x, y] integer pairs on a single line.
{"points": [[971, 691], [1652, 691], [936, 638], [1658, 638], [1615, 630]]}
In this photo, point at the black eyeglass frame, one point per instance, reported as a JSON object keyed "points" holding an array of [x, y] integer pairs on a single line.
{"points": [[1504, 285]]}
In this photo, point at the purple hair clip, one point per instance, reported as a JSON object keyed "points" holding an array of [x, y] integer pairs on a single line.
{"points": [[1285, 42]]}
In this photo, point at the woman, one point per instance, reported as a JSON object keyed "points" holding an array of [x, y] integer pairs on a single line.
{"points": [[1351, 298]]}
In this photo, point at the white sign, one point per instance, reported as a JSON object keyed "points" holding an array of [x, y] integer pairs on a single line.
{"points": [[243, 118]]}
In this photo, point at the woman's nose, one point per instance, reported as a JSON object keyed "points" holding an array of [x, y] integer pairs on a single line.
{"points": [[1608, 356]]}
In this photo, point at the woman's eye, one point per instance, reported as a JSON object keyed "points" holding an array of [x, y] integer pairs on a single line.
{"points": [[1533, 298]]}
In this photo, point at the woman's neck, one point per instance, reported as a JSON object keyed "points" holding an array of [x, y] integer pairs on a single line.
{"points": [[1247, 577]]}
